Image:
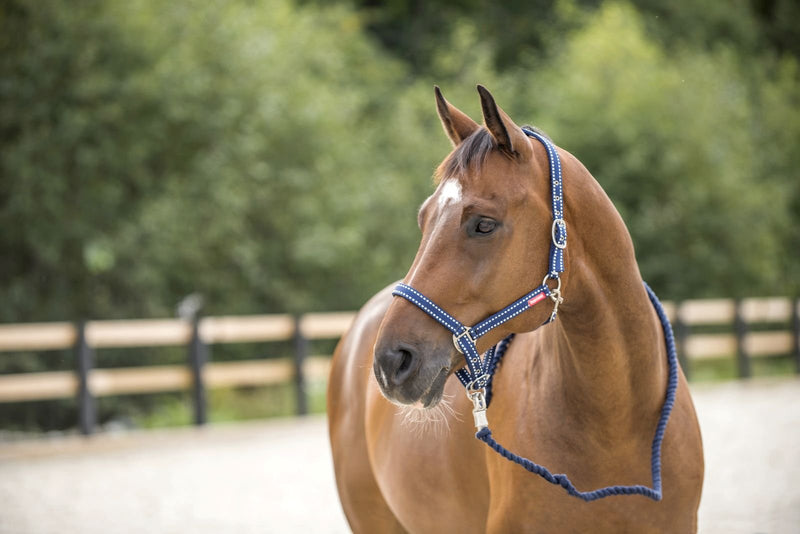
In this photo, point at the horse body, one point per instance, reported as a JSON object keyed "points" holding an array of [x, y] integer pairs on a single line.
{"points": [[581, 395]]}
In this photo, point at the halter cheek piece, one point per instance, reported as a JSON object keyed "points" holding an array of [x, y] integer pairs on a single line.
{"points": [[477, 375]]}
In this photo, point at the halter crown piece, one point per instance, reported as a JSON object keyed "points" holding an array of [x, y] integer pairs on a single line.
{"points": [[477, 375]]}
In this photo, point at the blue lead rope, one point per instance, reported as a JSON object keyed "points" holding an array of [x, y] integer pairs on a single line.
{"points": [[478, 373], [479, 390], [485, 435]]}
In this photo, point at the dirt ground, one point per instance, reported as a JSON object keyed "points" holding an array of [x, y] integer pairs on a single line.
{"points": [[277, 477]]}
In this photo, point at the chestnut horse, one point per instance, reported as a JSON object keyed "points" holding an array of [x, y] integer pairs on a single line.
{"points": [[580, 393]]}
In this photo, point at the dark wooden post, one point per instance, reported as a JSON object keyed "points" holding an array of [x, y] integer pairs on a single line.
{"points": [[198, 356], [87, 411], [300, 353], [740, 326], [796, 329], [681, 332]]}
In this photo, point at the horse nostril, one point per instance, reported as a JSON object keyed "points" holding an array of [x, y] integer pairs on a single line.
{"points": [[406, 362], [399, 365]]}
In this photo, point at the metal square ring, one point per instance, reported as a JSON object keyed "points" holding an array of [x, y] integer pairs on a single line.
{"points": [[466, 333]]}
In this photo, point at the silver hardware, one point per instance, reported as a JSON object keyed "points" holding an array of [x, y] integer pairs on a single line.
{"points": [[478, 399], [471, 386], [558, 287], [555, 294], [466, 333], [563, 224]]}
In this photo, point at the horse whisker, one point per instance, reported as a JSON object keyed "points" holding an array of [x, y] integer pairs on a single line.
{"points": [[423, 420]]}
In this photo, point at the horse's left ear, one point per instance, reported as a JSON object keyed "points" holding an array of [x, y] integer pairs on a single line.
{"points": [[510, 137], [457, 125]]}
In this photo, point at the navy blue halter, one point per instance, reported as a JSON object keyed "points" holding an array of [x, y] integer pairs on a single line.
{"points": [[477, 375]]}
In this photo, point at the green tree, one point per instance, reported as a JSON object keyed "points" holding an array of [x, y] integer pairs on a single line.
{"points": [[258, 140], [676, 140], [254, 152]]}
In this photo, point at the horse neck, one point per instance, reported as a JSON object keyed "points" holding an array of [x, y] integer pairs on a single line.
{"points": [[610, 360]]}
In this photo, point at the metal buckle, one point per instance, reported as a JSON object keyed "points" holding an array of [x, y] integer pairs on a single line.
{"points": [[562, 224], [466, 332]]}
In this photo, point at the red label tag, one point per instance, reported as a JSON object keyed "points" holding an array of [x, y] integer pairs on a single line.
{"points": [[537, 299]]}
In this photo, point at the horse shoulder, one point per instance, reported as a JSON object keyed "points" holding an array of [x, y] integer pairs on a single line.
{"points": [[524, 502]]}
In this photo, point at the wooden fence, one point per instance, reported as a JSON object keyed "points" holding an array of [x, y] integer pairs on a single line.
{"points": [[756, 327]]}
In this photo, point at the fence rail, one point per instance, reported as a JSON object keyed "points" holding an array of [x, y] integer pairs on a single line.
{"points": [[89, 382]]}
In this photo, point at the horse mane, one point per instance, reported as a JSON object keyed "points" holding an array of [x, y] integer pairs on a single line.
{"points": [[471, 154]]}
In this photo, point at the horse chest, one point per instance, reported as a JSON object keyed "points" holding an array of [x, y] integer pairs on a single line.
{"points": [[429, 475]]}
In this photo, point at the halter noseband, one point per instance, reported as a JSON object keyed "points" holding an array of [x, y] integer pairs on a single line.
{"points": [[477, 375]]}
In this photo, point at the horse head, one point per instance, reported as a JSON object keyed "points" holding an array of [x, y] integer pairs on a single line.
{"points": [[486, 233]]}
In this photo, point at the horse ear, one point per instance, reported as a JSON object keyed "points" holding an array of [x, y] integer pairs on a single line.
{"points": [[510, 137], [457, 125]]}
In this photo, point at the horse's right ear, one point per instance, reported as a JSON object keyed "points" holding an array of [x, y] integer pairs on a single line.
{"points": [[457, 125]]}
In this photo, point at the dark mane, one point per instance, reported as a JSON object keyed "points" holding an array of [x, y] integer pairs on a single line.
{"points": [[470, 154]]}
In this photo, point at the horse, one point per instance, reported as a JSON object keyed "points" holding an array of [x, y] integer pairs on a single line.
{"points": [[578, 375]]}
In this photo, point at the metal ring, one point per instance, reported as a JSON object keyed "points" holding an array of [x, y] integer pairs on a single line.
{"points": [[470, 388], [555, 294], [558, 279], [562, 223]]}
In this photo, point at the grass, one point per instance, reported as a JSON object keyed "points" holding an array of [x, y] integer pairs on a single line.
{"points": [[719, 369], [231, 404]]}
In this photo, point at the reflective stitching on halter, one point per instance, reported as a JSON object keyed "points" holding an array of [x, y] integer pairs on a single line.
{"points": [[556, 254], [445, 319], [507, 313], [442, 316]]}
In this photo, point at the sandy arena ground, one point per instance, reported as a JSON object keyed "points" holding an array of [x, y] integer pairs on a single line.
{"points": [[277, 476]]}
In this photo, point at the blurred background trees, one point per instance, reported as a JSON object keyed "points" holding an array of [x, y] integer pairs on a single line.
{"points": [[271, 154]]}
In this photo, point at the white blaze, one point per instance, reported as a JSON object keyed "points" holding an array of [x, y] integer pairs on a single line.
{"points": [[450, 192]]}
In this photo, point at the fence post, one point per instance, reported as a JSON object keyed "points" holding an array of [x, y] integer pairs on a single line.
{"points": [[87, 411], [300, 353], [796, 329], [681, 332], [740, 326], [198, 355]]}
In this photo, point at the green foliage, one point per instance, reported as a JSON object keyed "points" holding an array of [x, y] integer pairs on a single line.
{"points": [[692, 144], [239, 151], [270, 157], [675, 139]]}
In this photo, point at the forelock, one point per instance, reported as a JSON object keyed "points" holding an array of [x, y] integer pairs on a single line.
{"points": [[470, 154]]}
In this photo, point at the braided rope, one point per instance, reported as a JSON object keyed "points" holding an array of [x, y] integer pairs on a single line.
{"points": [[562, 480], [494, 360]]}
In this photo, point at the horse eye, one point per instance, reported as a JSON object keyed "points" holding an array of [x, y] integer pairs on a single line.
{"points": [[485, 226]]}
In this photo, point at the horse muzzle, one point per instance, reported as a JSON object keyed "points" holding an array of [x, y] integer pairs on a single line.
{"points": [[407, 374]]}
